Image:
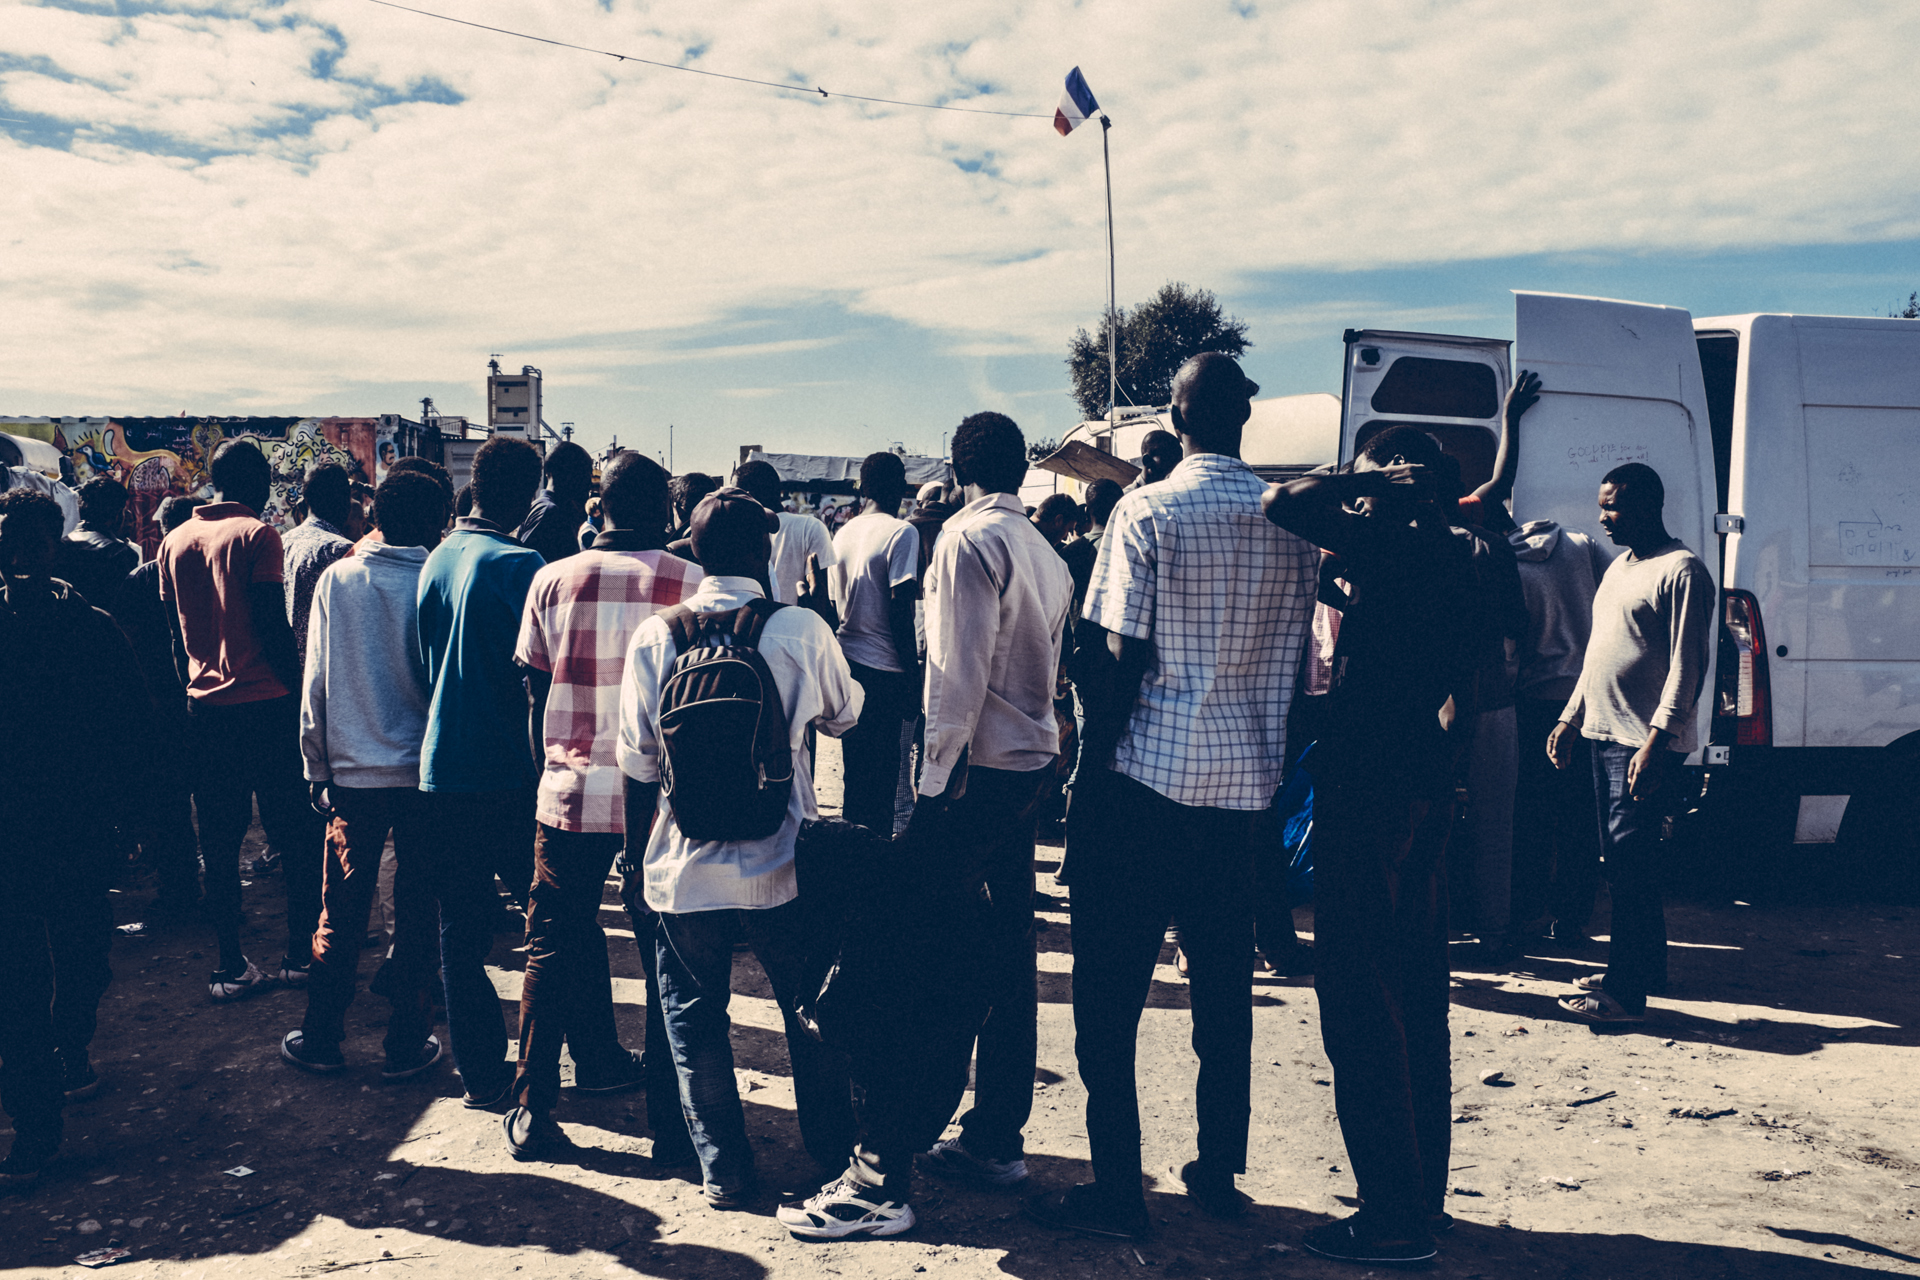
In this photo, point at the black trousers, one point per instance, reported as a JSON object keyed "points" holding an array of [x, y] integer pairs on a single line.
{"points": [[1556, 829], [55, 933], [984, 837], [870, 751], [1142, 860], [1380, 964], [244, 751]]}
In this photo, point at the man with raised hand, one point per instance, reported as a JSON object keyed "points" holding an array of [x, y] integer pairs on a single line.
{"points": [[996, 605], [1401, 677], [363, 715], [875, 580], [1205, 607], [711, 893], [579, 622], [475, 761], [1644, 667], [221, 576]]}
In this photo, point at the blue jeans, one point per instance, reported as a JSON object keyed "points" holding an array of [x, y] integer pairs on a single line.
{"points": [[695, 970], [1630, 838]]}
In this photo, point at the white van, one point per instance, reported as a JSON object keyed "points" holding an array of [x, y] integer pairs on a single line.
{"points": [[1790, 451]]}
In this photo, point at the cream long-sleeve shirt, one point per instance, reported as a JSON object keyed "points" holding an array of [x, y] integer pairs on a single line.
{"points": [[997, 596], [1647, 656]]}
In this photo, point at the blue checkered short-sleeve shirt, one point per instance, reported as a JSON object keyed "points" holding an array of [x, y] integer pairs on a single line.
{"points": [[1226, 597]]}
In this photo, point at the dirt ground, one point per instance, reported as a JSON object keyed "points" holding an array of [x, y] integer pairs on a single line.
{"points": [[1763, 1124]]}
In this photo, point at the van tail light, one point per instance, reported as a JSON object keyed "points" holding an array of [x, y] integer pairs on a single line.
{"points": [[1745, 695]]}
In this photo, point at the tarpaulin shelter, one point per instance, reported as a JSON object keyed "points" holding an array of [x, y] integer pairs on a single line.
{"points": [[828, 473]]}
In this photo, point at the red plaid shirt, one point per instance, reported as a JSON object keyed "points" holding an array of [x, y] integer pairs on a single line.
{"points": [[581, 615]]}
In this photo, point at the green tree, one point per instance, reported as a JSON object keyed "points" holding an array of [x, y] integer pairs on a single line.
{"points": [[1154, 340], [1909, 312]]}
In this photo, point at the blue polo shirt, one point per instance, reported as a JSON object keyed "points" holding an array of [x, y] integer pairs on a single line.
{"points": [[472, 591]]}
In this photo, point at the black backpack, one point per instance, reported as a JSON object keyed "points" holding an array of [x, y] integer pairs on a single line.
{"points": [[726, 759]]}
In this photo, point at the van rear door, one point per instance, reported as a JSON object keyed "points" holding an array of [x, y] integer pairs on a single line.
{"points": [[1450, 387], [1622, 383]]}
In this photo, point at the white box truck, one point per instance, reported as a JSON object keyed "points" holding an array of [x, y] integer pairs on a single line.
{"points": [[1790, 450]]}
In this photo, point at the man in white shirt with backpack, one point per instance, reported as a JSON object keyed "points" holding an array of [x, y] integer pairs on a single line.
{"points": [[730, 797]]}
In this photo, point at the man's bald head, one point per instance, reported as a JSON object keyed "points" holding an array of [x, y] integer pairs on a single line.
{"points": [[1212, 400]]}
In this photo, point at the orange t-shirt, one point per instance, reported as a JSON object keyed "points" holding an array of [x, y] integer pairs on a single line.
{"points": [[207, 568]]}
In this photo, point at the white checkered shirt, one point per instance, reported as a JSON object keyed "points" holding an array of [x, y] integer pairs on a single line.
{"points": [[1227, 598], [581, 615]]}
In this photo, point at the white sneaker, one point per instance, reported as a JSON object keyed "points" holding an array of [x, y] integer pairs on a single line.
{"points": [[226, 986], [844, 1208], [951, 1157]]}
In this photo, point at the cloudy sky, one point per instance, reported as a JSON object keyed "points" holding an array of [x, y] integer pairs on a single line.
{"points": [[331, 206]]}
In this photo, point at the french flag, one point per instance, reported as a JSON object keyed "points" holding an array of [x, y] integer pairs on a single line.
{"points": [[1076, 104]]}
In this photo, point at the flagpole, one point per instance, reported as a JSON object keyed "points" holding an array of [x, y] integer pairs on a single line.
{"points": [[1113, 369]]}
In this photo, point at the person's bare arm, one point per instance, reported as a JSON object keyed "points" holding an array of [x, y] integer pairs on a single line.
{"points": [[1315, 507], [539, 685], [1522, 396]]}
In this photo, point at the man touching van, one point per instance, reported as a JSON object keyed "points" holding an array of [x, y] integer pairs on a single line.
{"points": [[1645, 663]]}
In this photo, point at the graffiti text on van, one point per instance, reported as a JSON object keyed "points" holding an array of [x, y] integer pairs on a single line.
{"points": [[1607, 454], [1874, 541]]}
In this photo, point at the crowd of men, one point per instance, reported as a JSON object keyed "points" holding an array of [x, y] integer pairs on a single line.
{"points": [[506, 691]]}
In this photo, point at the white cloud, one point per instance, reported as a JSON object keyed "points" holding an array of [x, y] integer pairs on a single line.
{"points": [[228, 222]]}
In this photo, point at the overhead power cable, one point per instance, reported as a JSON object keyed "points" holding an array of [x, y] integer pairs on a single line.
{"points": [[717, 75]]}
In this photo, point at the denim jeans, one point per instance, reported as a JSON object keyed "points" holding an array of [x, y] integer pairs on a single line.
{"points": [[1140, 861], [1630, 836], [566, 993], [665, 1119], [469, 832], [696, 984], [356, 838]]}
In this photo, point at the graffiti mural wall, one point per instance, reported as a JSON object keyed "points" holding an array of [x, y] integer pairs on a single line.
{"points": [[157, 458]]}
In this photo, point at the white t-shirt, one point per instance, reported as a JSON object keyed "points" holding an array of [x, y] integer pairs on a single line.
{"points": [[874, 553], [797, 538]]}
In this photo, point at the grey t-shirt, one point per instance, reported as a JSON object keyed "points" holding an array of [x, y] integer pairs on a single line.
{"points": [[1648, 654]]}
